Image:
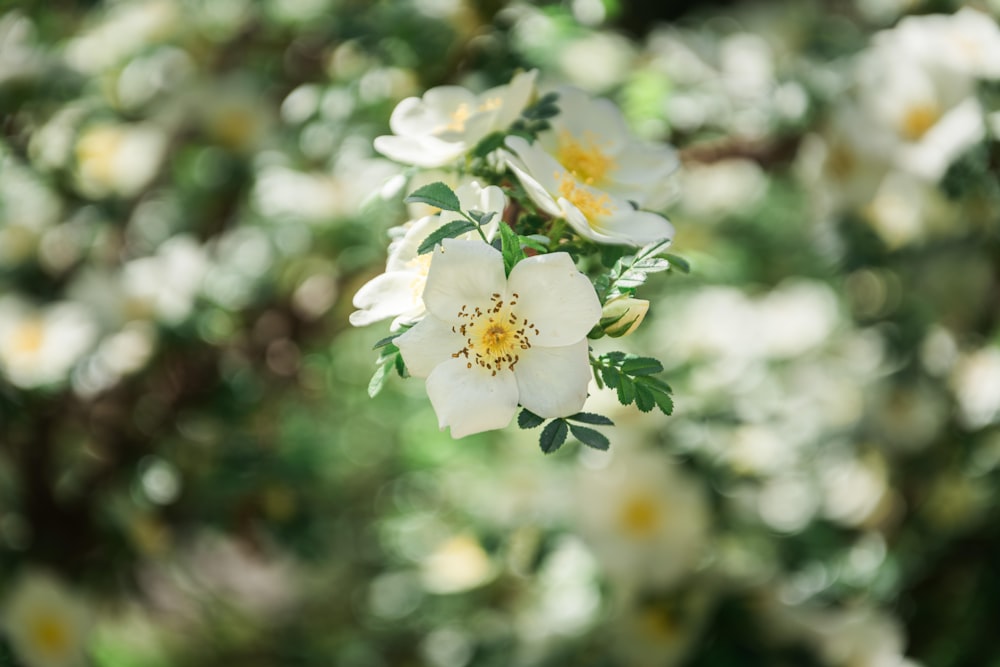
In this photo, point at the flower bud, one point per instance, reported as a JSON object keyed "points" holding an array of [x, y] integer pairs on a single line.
{"points": [[621, 315]]}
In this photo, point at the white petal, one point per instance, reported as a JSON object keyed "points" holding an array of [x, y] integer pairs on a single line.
{"points": [[515, 96], [386, 295], [463, 273], [625, 226], [403, 252], [429, 343], [471, 400], [552, 381], [422, 151], [556, 298]]}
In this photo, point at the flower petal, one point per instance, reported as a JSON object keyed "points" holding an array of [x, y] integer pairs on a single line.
{"points": [[471, 400], [422, 151], [624, 226], [387, 295], [429, 343], [556, 298], [552, 381], [463, 273]]}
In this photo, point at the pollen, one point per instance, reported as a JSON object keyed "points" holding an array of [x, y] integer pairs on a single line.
{"points": [[494, 335], [28, 338], [457, 119], [593, 206], [917, 120], [51, 635], [584, 158], [640, 516]]}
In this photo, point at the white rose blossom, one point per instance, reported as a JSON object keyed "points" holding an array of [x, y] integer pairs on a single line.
{"points": [[490, 342], [590, 170], [438, 128], [398, 291], [46, 623]]}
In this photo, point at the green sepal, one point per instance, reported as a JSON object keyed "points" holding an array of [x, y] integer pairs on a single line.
{"points": [[512, 252]]}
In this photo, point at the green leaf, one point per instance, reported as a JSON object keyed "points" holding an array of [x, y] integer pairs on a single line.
{"points": [[435, 194], [533, 243], [626, 390], [488, 144], [512, 253], [401, 369], [482, 218], [659, 391], [378, 379], [448, 231], [553, 435], [678, 263], [591, 418], [644, 399], [388, 341], [590, 437], [641, 366], [528, 419], [611, 376]]}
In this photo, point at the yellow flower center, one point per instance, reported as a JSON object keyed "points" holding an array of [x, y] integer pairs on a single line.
{"points": [[917, 120], [50, 634], [658, 625], [27, 339], [494, 336], [420, 265], [584, 159], [460, 116], [593, 206], [640, 516]]}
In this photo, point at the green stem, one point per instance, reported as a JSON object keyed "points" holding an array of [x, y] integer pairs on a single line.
{"points": [[479, 229]]}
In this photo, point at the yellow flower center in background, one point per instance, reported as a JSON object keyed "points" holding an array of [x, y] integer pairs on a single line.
{"points": [[640, 516], [494, 337], [27, 339], [917, 120], [592, 206], [50, 635], [458, 119], [584, 159], [420, 264]]}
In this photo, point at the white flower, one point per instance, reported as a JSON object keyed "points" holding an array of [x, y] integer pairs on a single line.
{"points": [[46, 624], [489, 342], [589, 170], [646, 521], [118, 159], [398, 292], [447, 121], [40, 346], [929, 112], [166, 284], [967, 42]]}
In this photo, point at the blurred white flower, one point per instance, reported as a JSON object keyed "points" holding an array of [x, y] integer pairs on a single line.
{"points": [[398, 292], [118, 159], [164, 286], [929, 111], [40, 346], [458, 564], [489, 342], [436, 129], [976, 383], [721, 188], [126, 29], [590, 170], [19, 56], [966, 42], [46, 622], [646, 521]]}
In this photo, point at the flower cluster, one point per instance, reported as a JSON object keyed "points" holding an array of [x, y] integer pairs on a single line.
{"points": [[538, 236]]}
